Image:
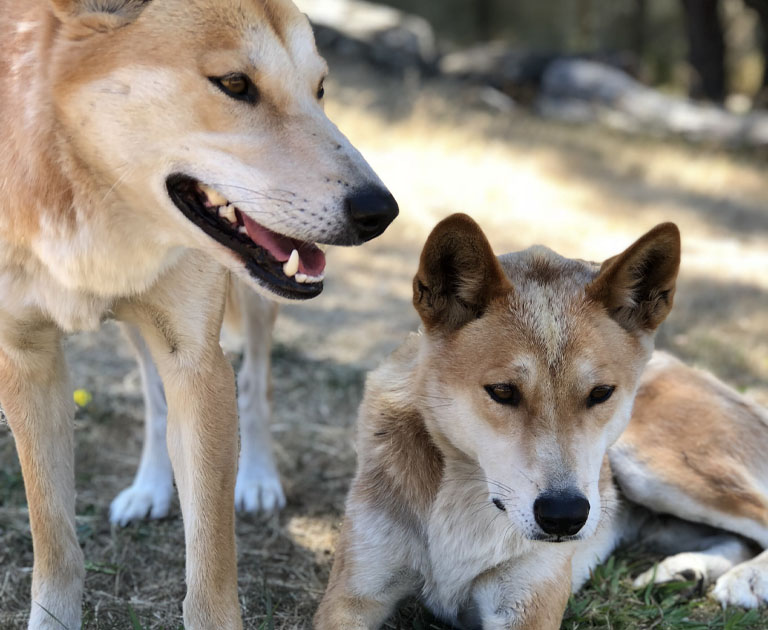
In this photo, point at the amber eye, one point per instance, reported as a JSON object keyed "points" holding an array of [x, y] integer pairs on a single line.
{"points": [[238, 86], [600, 394], [504, 394], [321, 90]]}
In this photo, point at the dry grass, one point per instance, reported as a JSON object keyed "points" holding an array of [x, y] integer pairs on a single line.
{"points": [[584, 192]]}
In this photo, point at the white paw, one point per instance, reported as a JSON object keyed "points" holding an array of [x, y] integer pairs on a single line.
{"points": [[745, 585], [141, 501], [258, 492], [683, 567]]}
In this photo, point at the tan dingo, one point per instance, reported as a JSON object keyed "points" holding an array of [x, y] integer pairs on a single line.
{"points": [[482, 441], [150, 148]]}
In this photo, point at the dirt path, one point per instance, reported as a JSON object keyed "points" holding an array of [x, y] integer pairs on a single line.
{"points": [[584, 192]]}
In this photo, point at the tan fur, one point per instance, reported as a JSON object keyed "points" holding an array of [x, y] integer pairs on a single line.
{"points": [[104, 101], [720, 463], [695, 449], [700, 439], [434, 450]]}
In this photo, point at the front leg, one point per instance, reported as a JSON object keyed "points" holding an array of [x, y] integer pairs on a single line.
{"points": [[180, 321], [150, 494], [528, 593], [258, 485], [370, 574], [35, 394]]}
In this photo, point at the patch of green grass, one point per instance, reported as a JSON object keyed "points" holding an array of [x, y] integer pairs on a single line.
{"points": [[269, 620], [135, 623], [102, 567], [610, 602]]}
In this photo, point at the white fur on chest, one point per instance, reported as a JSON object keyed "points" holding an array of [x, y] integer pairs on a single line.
{"points": [[73, 276], [467, 536], [30, 288], [29, 291], [110, 254]]}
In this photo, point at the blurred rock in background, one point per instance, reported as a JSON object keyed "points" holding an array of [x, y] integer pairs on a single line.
{"points": [[624, 63]]}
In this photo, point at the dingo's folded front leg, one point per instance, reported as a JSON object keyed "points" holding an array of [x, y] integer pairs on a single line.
{"points": [[528, 593], [36, 398], [180, 321], [370, 574]]}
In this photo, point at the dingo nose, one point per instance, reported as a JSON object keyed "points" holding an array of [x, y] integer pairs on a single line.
{"points": [[561, 514], [371, 210]]}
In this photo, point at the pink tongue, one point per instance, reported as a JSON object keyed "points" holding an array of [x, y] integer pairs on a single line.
{"points": [[311, 259]]}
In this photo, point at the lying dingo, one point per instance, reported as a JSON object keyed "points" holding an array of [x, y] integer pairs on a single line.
{"points": [[483, 483], [150, 150]]}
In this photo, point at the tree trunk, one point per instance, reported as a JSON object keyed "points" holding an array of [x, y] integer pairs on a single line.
{"points": [[761, 6], [706, 49], [639, 28], [483, 19]]}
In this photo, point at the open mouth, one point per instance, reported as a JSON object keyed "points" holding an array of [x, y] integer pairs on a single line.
{"points": [[288, 267]]}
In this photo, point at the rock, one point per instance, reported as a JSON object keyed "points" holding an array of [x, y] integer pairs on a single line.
{"points": [[579, 90], [496, 64], [385, 36]]}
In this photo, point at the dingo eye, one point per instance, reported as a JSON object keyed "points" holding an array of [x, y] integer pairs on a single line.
{"points": [[237, 85], [321, 90], [600, 394], [504, 394]]}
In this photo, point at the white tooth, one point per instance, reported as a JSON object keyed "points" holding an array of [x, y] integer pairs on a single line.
{"points": [[291, 266], [314, 279], [321, 247], [228, 213], [213, 195], [242, 230], [301, 278]]}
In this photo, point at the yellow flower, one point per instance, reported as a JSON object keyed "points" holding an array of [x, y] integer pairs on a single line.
{"points": [[82, 397]]}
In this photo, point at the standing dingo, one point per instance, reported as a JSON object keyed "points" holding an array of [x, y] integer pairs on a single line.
{"points": [[150, 149]]}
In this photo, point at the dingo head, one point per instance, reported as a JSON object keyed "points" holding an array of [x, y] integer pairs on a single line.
{"points": [[205, 118], [535, 360]]}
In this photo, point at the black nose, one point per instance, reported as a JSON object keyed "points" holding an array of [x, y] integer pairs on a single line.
{"points": [[561, 513], [371, 210]]}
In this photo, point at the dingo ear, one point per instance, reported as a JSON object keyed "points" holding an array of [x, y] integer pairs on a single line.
{"points": [[98, 15], [458, 275], [638, 286]]}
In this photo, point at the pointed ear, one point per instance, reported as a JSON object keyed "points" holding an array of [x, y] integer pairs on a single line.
{"points": [[99, 15], [637, 287], [458, 275]]}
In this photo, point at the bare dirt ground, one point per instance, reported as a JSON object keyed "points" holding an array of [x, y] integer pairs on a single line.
{"points": [[584, 192]]}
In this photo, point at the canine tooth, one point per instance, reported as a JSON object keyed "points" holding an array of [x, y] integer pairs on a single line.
{"points": [[291, 266], [214, 196], [301, 278], [321, 247], [228, 213], [242, 230]]}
